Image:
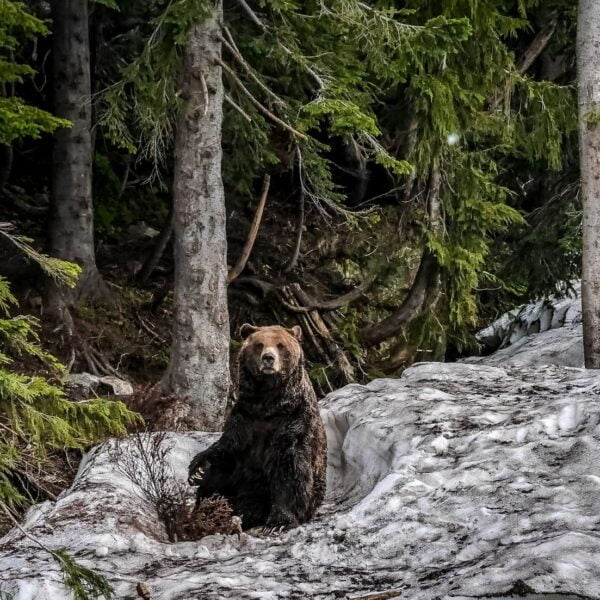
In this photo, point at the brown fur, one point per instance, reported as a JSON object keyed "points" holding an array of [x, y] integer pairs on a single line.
{"points": [[270, 462]]}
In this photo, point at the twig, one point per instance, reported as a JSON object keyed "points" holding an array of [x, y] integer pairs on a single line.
{"points": [[241, 263], [31, 481]]}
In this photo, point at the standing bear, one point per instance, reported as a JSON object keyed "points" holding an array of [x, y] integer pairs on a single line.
{"points": [[271, 461]]}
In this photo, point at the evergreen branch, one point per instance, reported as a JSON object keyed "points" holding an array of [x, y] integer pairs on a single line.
{"points": [[258, 104], [80, 580], [242, 61], [237, 107], [254, 18], [60, 270]]}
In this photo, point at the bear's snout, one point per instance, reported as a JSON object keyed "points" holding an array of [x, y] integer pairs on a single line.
{"points": [[268, 359], [269, 362]]}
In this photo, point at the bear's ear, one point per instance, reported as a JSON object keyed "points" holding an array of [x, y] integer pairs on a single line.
{"points": [[296, 331], [246, 329]]}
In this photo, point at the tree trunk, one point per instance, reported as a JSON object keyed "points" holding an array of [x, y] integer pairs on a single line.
{"points": [[72, 210], [198, 372], [588, 76]]}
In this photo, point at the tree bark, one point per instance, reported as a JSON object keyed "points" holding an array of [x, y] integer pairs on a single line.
{"points": [[419, 298], [588, 77], [198, 372], [72, 210]]}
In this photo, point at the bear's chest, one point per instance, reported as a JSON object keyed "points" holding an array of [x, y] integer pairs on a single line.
{"points": [[263, 437]]}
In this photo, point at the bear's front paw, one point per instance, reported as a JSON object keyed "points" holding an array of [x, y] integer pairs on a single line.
{"points": [[197, 468], [278, 522]]}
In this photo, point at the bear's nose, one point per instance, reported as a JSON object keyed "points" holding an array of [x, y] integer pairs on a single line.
{"points": [[268, 359]]}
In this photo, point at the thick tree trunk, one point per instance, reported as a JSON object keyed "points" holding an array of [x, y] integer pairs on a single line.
{"points": [[72, 210], [588, 68], [199, 368]]}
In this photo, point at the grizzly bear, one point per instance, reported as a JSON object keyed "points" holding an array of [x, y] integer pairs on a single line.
{"points": [[271, 460]]}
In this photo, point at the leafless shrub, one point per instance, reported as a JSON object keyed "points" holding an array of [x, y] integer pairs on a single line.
{"points": [[144, 462]]}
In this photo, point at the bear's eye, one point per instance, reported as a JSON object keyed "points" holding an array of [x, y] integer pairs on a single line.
{"points": [[259, 345], [280, 346]]}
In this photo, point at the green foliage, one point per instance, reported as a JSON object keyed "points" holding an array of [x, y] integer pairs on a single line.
{"points": [[17, 118], [34, 412], [84, 583], [62, 271], [362, 74]]}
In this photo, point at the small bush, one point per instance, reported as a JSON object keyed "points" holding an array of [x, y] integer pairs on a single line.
{"points": [[144, 462]]}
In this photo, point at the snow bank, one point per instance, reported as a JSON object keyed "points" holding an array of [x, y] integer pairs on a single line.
{"points": [[543, 333], [456, 480]]}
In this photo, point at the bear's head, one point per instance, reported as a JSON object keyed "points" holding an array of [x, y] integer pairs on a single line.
{"points": [[271, 352]]}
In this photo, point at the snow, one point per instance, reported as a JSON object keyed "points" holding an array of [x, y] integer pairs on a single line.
{"points": [[456, 480], [542, 333]]}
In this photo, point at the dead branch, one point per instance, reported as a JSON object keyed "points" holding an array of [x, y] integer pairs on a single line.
{"points": [[537, 46], [253, 16], [307, 326], [264, 287], [29, 481], [241, 263]]}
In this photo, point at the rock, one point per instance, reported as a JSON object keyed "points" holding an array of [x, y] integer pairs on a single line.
{"points": [[85, 385], [141, 230], [455, 481]]}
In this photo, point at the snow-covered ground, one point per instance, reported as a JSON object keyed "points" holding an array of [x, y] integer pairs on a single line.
{"points": [[454, 481]]}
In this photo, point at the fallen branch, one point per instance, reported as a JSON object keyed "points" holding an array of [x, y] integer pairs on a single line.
{"points": [[241, 263]]}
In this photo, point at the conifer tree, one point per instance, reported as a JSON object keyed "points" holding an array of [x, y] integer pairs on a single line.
{"points": [[588, 79], [72, 216]]}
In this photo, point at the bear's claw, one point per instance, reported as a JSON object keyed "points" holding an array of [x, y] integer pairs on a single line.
{"points": [[196, 477]]}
